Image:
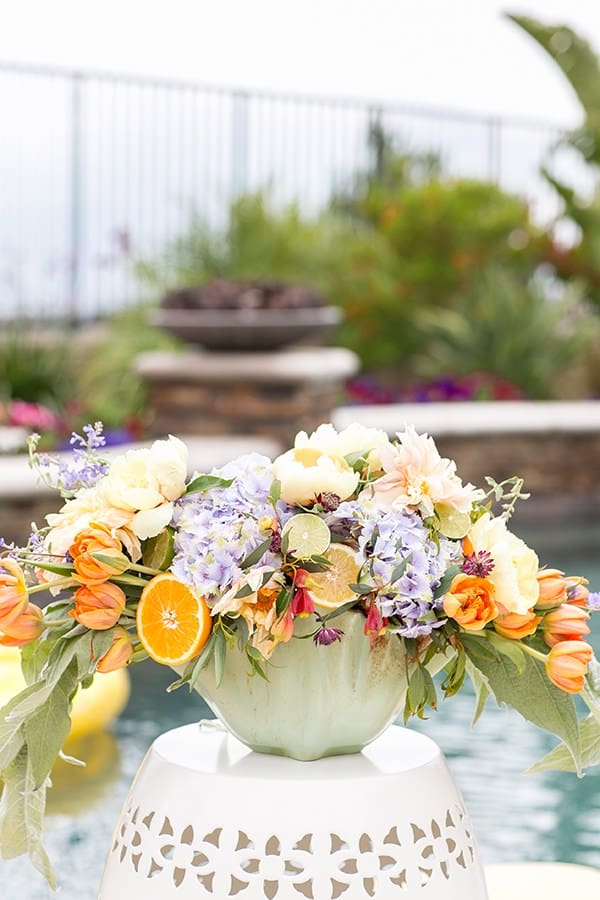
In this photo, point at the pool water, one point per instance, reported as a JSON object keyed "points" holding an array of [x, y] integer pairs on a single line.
{"points": [[552, 816]]}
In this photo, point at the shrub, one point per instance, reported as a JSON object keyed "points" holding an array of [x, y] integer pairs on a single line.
{"points": [[506, 328], [35, 366]]}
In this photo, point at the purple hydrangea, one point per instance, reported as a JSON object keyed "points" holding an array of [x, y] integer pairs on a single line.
{"points": [[217, 529], [386, 540]]}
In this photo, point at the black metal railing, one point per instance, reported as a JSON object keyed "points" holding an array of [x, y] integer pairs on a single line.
{"points": [[97, 170]]}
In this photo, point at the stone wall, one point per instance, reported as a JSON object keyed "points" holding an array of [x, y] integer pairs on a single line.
{"points": [[273, 394]]}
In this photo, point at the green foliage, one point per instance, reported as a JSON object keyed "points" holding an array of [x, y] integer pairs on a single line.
{"points": [[504, 326], [258, 242], [530, 692], [580, 64], [34, 366], [107, 387], [412, 258], [425, 239], [33, 728]]}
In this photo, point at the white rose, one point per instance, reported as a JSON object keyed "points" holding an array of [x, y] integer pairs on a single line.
{"points": [[305, 472], [516, 565], [353, 439], [146, 481]]}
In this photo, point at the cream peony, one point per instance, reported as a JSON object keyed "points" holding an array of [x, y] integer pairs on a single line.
{"points": [[418, 477], [353, 439], [514, 575], [90, 505], [305, 472], [146, 481]]}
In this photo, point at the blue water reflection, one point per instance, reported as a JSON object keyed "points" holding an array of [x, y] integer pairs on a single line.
{"points": [[552, 816]]}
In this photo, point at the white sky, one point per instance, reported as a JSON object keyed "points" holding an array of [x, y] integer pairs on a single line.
{"points": [[458, 53]]}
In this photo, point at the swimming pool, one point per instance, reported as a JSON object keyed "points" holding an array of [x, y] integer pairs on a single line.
{"points": [[552, 816]]}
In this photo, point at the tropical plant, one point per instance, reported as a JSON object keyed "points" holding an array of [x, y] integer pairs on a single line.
{"points": [[580, 64]]}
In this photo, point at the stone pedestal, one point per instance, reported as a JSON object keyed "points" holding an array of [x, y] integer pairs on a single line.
{"points": [[274, 394]]}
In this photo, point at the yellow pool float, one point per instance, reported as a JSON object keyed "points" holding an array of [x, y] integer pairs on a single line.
{"points": [[93, 708]]}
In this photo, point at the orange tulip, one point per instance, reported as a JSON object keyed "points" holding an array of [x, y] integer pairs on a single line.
{"points": [[567, 664], [98, 606], [553, 588], [88, 545], [13, 592], [565, 623], [24, 629], [516, 625], [470, 602], [118, 654]]}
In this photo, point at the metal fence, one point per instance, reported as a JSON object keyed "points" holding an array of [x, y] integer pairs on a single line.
{"points": [[98, 170]]}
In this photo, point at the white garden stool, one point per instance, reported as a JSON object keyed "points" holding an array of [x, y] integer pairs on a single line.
{"points": [[208, 818]]}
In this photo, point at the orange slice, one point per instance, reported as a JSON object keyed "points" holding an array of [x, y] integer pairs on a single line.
{"points": [[330, 589], [172, 623]]}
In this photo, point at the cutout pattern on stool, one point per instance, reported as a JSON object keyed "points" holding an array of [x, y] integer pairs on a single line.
{"points": [[224, 862]]}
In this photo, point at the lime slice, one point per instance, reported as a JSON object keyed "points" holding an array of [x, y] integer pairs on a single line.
{"points": [[159, 552], [452, 523], [306, 535]]}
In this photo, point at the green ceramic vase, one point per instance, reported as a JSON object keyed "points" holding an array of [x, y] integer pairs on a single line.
{"points": [[318, 701]]}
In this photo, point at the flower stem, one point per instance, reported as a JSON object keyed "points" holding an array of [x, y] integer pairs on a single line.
{"points": [[145, 570], [537, 654], [57, 583]]}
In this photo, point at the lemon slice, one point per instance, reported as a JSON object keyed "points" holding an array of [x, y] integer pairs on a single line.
{"points": [[307, 535], [330, 588]]}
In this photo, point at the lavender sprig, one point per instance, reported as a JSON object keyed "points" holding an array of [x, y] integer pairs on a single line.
{"points": [[84, 467]]}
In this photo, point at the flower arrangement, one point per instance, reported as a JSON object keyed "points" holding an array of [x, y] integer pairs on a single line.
{"points": [[144, 561]]}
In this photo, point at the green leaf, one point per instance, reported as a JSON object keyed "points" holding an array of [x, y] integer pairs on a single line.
{"points": [[561, 758], [534, 697], [456, 675], [482, 691], [21, 817], [416, 689], [283, 601], [257, 668], [159, 550], [275, 492], [508, 648], [340, 609], [400, 569], [203, 660], [478, 647], [220, 654], [361, 588], [207, 483], [46, 730], [444, 585], [244, 591], [358, 460], [256, 555]]}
